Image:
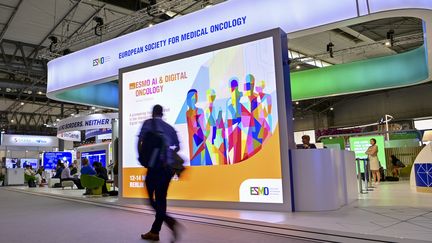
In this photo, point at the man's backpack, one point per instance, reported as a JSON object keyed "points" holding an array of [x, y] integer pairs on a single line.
{"points": [[151, 148]]}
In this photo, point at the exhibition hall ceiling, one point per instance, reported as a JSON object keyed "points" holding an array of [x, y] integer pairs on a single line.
{"points": [[33, 32]]}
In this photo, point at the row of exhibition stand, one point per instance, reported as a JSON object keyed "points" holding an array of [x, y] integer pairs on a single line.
{"points": [[325, 174], [313, 179], [17, 151]]}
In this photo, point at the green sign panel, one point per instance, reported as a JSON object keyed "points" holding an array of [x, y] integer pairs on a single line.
{"points": [[360, 144]]}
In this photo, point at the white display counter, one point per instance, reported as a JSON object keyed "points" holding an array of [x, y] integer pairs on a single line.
{"points": [[323, 179], [14, 177]]}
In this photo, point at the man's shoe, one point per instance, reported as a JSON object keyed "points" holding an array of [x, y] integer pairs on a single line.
{"points": [[150, 236], [174, 227]]}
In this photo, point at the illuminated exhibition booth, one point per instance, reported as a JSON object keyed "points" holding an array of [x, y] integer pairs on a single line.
{"points": [[222, 76], [17, 151], [94, 125]]}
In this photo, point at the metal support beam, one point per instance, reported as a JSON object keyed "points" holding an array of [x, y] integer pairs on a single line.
{"points": [[13, 60], [10, 20], [55, 27]]}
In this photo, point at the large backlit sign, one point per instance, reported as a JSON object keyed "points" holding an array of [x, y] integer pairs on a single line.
{"points": [[223, 103], [80, 123], [239, 18], [29, 141]]}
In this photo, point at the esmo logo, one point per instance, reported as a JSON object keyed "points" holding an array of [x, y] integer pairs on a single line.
{"points": [[256, 191], [98, 61]]}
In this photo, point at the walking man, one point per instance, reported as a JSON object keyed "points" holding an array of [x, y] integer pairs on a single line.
{"points": [[159, 174]]}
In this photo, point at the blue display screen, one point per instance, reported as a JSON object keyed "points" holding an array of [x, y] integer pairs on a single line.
{"points": [[32, 162], [50, 159], [95, 156]]}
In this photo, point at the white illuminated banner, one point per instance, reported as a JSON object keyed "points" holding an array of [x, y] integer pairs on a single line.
{"points": [[70, 136], [225, 21], [29, 141], [95, 121]]}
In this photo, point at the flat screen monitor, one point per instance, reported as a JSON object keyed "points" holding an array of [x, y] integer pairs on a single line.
{"points": [[223, 104], [13, 163], [95, 156], [34, 163], [50, 159]]}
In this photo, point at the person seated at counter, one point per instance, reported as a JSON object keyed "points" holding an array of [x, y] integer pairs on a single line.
{"points": [[40, 175], [397, 164], [73, 171], [30, 174], [65, 176], [101, 172], [86, 168], [306, 143], [73, 168], [59, 169]]}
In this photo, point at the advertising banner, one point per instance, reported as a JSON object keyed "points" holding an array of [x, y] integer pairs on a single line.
{"points": [[29, 141], [70, 136], [90, 122], [360, 144], [223, 105], [96, 132]]}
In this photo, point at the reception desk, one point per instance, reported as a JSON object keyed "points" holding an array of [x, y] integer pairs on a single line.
{"points": [[323, 179], [14, 177]]}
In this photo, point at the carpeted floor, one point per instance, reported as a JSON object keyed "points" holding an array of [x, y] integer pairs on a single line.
{"points": [[28, 218]]}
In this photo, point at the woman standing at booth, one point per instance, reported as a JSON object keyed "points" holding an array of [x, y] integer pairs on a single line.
{"points": [[374, 165]]}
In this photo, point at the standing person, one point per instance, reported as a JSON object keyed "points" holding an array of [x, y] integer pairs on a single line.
{"points": [[159, 174], [372, 153]]}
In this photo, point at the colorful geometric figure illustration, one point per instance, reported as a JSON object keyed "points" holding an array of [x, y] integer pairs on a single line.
{"points": [[423, 174]]}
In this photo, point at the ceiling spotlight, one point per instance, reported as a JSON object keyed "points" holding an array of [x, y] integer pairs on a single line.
{"points": [[330, 49], [390, 38], [297, 102], [22, 103], [298, 67], [3, 132], [72, 114], [387, 43], [293, 118], [53, 40], [12, 120], [93, 108], [98, 28], [40, 93], [150, 25], [331, 108], [57, 119]]}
